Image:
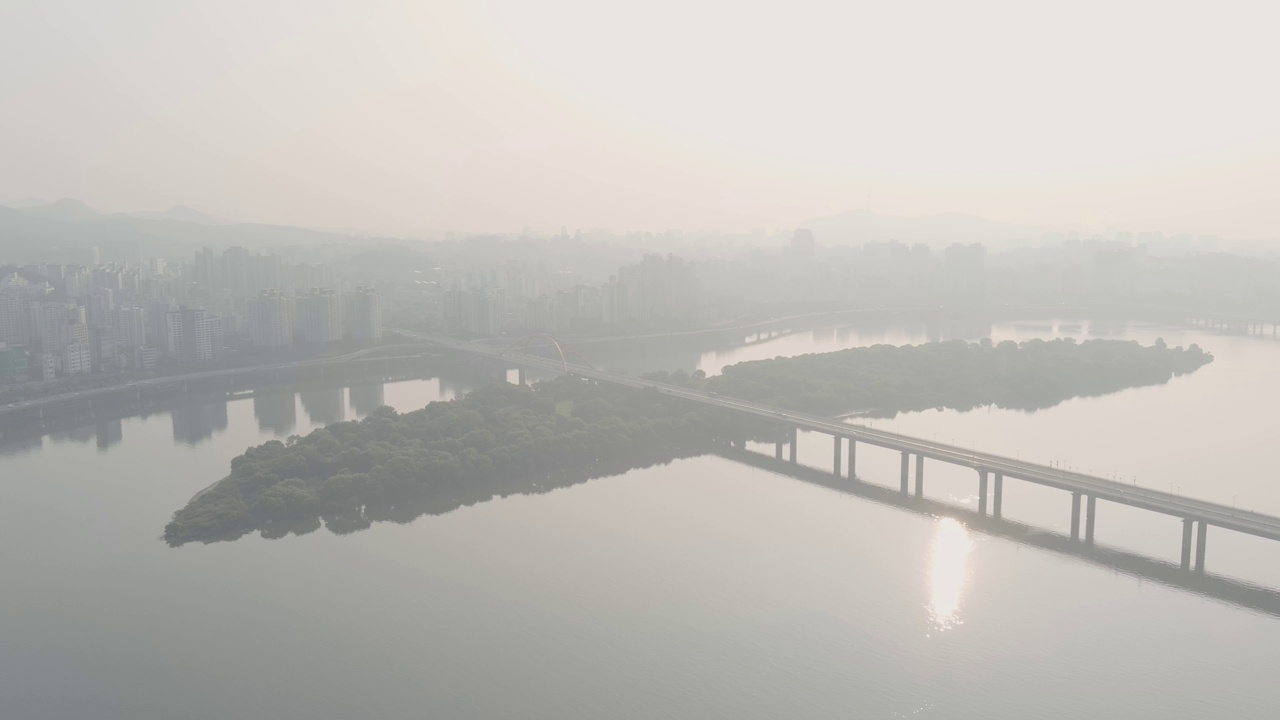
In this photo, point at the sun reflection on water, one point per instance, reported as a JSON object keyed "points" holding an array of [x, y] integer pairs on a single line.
{"points": [[948, 570]]}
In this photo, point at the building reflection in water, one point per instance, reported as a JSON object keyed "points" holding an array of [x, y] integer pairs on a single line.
{"points": [[366, 397], [276, 412], [324, 405], [82, 434], [109, 432], [948, 572], [195, 423], [22, 446]]}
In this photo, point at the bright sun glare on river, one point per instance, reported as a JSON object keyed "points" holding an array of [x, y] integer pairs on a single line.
{"points": [[948, 569]]}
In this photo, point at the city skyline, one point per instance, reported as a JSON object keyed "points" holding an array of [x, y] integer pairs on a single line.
{"points": [[851, 228]]}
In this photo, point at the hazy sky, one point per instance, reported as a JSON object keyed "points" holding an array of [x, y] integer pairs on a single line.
{"points": [[403, 115]]}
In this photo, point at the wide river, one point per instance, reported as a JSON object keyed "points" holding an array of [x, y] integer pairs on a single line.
{"points": [[701, 589]]}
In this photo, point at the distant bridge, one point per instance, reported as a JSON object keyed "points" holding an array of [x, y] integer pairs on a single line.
{"points": [[992, 469]]}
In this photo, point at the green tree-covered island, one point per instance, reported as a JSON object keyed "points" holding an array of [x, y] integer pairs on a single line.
{"points": [[505, 439], [883, 380]]}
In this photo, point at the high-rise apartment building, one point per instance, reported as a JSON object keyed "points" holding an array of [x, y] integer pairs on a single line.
{"points": [[310, 275], [208, 271], [171, 334], [235, 271], [474, 312], [267, 272], [13, 363], [269, 319], [51, 325], [98, 304], [44, 366], [77, 358], [192, 335], [493, 312], [319, 316], [14, 318], [803, 243], [364, 315], [129, 326], [964, 272], [656, 289]]}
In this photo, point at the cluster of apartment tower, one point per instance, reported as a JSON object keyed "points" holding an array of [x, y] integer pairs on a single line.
{"points": [[60, 320]]}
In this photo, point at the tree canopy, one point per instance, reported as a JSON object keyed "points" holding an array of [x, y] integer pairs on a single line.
{"points": [[888, 379], [505, 439], [494, 441]]}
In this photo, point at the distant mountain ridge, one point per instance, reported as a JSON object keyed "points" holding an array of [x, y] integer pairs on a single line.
{"points": [[178, 212], [64, 230], [64, 209], [859, 226]]}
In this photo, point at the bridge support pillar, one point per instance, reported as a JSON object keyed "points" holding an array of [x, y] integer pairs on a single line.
{"points": [[795, 436], [982, 492], [835, 463], [1090, 512], [1201, 536], [906, 467], [1186, 542], [1075, 516], [919, 476], [997, 495], [520, 377], [777, 450], [853, 456]]}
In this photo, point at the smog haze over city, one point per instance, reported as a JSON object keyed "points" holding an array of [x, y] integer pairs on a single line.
{"points": [[575, 360], [495, 116]]}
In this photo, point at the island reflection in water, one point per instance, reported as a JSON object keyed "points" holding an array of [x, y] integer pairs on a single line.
{"points": [[948, 572]]}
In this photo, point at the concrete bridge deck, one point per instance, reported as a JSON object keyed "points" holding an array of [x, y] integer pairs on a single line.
{"points": [[1090, 488]]}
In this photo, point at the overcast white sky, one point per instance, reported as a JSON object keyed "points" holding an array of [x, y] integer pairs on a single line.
{"points": [[495, 115]]}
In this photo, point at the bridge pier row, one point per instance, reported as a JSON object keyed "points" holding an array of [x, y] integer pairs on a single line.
{"points": [[919, 476], [795, 435], [1075, 516], [1187, 523], [835, 463], [853, 456], [906, 467], [997, 495], [982, 492], [1091, 511], [1201, 536]]}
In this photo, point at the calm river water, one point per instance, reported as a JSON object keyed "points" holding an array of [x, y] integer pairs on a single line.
{"points": [[701, 589]]}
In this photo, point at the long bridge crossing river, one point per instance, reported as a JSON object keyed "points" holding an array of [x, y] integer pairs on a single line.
{"points": [[992, 469]]}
